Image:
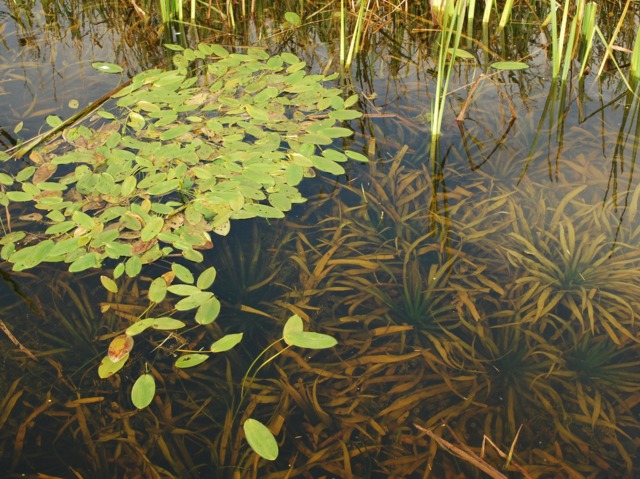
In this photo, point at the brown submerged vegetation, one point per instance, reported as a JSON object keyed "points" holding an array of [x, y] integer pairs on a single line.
{"points": [[466, 312]]}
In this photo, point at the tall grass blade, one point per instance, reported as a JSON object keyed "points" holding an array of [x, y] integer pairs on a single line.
{"points": [[506, 14]]}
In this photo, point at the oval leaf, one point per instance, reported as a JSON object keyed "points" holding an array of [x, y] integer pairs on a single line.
{"points": [[109, 284], [143, 391], [311, 340], [226, 342], [108, 368], [107, 67], [158, 290], [120, 347], [208, 312], [191, 360], [509, 66], [293, 325], [260, 439], [206, 278]]}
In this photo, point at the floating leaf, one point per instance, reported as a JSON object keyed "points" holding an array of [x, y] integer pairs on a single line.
{"points": [[139, 326], [143, 391], [182, 273], [354, 155], [293, 325], [108, 368], [53, 121], [158, 290], [311, 340], [460, 53], [325, 164], [509, 66], [222, 229], [166, 323], [191, 360], [107, 67], [208, 311], [293, 18], [206, 278], [120, 347], [84, 262], [183, 289], [152, 228], [193, 301], [109, 284], [226, 342], [260, 439]]}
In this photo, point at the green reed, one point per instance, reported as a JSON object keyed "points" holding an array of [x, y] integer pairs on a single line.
{"points": [[346, 58], [452, 23]]}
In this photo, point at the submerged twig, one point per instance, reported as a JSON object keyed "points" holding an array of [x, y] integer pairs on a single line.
{"points": [[24, 148], [15, 341]]}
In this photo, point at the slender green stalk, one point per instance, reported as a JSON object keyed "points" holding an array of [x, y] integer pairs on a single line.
{"points": [[635, 58], [570, 47], [343, 32], [588, 31], [506, 14], [357, 33], [452, 23], [486, 16]]}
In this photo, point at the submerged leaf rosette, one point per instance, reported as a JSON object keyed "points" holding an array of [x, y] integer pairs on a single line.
{"points": [[222, 136]]}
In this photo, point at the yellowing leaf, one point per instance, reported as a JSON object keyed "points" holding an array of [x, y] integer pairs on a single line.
{"points": [[109, 284], [120, 347]]}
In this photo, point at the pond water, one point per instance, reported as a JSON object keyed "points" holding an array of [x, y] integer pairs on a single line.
{"points": [[484, 301]]}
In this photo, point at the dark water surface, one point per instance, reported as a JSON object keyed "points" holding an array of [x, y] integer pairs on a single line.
{"points": [[494, 289]]}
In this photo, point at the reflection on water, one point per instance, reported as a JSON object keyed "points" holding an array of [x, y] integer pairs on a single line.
{"points": [[46, 51], [493, 289]]}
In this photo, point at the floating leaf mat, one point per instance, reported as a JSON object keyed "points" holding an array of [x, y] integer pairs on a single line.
{"points": [[222, 136]]}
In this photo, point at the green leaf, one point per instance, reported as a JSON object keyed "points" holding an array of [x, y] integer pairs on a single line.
{"points": [[293, 18], [344, 114], [107, 67], [83, 219], [263, 211], [220, 51], [325, 164], [175, 132], [460, 53], [206, 278], [166, 323], [260, 439], [139, 326], [53, 121], [208, 311], [31, 256], [191, 360], [193, 301], [226, 342], [143, 391], [152, 228], [19, 196], [133, 266], [84, 262], [108, 368], [311, 340], [509, 66], [354, 155], [293, 325], [157, 290], [183, 289], [109, 284], [182, 273]]}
